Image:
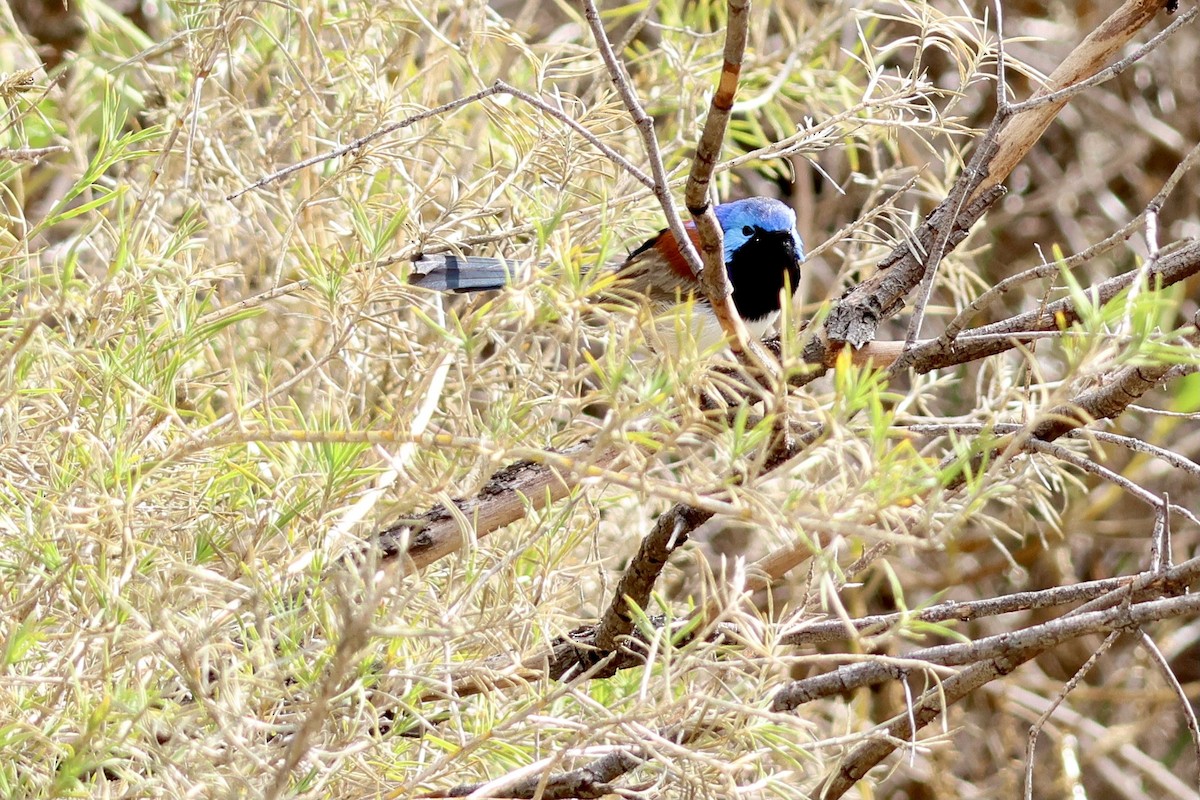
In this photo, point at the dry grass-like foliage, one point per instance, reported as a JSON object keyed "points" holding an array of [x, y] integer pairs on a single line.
{"points": [[207, 405]]}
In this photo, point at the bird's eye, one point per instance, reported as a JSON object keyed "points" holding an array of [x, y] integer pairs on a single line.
{"points": [[748, 230]]}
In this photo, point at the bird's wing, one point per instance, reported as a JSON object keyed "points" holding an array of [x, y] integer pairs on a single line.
{"points": [[444, 272], [658, 270]]}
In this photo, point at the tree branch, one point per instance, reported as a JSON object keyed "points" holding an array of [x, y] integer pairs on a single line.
{"points": [[507, 497], [645, 127], [1137, 588], [990, 658], [1043, 636], [714, 278]]}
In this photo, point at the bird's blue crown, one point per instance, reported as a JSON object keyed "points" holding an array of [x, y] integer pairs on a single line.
{"points": [[739, 219]]}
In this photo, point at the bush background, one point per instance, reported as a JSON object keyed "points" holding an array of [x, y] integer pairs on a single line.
{"points": [[175, 622]]}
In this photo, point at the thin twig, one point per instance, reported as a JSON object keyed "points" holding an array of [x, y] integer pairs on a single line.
{"points": [[30, 155], [954, 205], [661, 184], [365, 140], [1036, 729], [1002, 104], [590, 781], [963, 611], [1185, 703], [1158, 541], [1107, 74]]}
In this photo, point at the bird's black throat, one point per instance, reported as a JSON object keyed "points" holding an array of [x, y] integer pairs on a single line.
{"points": [[759, 270]]}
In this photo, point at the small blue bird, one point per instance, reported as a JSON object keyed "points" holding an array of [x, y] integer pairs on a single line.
{"points": [[763, 252]]}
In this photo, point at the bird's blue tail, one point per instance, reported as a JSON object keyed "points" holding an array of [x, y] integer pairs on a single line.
{"points": [[444, 272]]}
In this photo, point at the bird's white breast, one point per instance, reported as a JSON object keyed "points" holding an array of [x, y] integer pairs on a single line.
{"points": [[678, 328]]}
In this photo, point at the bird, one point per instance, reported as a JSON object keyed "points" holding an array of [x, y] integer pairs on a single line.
{"points": [[763, 253]]}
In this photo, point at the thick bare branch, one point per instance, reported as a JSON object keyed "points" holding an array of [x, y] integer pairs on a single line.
{"points": [[991, 658], [507, 497], [714, 278], [1138, 588], [1089, 58], [670, 531], [1043, 637], [590, 781]]}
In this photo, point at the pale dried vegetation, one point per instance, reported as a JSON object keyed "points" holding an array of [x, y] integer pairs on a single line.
{"points": [[206, 405]]}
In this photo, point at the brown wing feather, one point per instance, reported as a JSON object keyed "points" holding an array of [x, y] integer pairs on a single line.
{"points": [[658, 271]]}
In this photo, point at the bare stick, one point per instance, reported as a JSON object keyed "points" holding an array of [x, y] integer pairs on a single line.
{"points": [[1088, 465], [714, 278], [1002, 104], [1035, 730], [1189, 713], [1153, 586], [590, 781], [1088, 58], [1107, 74], [30, 155], [645, 125]]}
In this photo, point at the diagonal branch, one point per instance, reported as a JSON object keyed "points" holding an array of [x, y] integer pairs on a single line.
{"points": [[1086, 61], [857, 315], [992, 658], [499, 87], [509, 495], [645, 126], [590, 781], [1043, 636], [714, 278]]}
